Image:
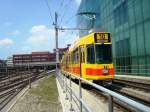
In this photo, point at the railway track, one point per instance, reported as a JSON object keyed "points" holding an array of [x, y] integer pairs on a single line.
{"points": [[143, 86], [124, 89], [8, 97], [10, 87], [118, 105], [130, 89], [137, 91]]}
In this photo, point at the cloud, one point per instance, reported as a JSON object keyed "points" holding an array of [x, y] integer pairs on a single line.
{"points": [[43, 38], [40, 35], [78, 2], [67, 38], [72, 39], [25, 48], [6, 42]]}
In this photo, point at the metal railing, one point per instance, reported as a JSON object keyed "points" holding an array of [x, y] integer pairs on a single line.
{"points": [[67, 88], [110, 94]]}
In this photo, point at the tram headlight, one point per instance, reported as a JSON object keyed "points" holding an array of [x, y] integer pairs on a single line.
{"points": [[105, 71]]}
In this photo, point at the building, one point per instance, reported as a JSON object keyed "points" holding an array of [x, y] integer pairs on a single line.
{"points": [[21, 58], [129, 23], [42, 56], [37, 57], [9, 61], [61, 52], [33, 57], [2, 63]]}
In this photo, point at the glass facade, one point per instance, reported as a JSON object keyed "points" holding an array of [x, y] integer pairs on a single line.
{"points": [[129, 23]]}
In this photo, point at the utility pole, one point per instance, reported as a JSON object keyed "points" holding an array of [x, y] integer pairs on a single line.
{"points": [[29, 76], [56, 40]]}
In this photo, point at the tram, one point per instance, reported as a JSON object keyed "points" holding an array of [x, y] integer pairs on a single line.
{"points": [[90, 57]]}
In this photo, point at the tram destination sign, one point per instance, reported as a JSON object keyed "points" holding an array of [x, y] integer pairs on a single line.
{"points": [[102, 37]]}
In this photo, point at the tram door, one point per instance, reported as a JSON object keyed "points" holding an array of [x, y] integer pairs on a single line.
{"points": [[82, 59]]}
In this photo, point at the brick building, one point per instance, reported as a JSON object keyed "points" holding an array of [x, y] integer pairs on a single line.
{"points": [[33, 57], [38, 57]]}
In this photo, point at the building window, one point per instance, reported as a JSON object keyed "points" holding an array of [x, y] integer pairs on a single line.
{"points": [[121, 14]]}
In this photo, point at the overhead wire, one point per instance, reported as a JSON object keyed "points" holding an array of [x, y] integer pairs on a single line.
{"points": [[64, 12], [47, 4], [71, 18], [60, 6]]}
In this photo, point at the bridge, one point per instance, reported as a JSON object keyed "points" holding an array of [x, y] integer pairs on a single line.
{"points": [[39, 64]]}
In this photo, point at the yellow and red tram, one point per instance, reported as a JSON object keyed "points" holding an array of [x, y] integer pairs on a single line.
{"points": [[91, 58]]}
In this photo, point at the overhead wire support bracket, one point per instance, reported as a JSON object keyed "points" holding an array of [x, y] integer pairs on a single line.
{"points": [[72, 29]]}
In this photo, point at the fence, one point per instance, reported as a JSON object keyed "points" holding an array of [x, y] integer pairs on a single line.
{"points": [[110, 94], [138, 70], [131, 65]]}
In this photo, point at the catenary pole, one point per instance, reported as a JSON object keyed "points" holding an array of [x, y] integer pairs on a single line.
{"points": [[56, 40]]}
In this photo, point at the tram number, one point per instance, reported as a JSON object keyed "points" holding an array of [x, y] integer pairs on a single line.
{"points": [[102, 37]]}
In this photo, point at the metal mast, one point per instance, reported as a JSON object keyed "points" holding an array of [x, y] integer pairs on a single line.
{"points": [[56, 40]]}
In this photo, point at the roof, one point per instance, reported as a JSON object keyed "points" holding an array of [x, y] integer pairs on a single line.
{"points": [[83, 40], [38, 53], [88, 39], [21, 55]]}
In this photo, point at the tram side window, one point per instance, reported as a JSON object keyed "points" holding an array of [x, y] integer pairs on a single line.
{"points": [[71, 61], [67, 61], [82, 54], [90, 54], [75, 56]]}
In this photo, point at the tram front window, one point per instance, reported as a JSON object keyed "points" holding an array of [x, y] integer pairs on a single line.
{"points": [[103, 53]]}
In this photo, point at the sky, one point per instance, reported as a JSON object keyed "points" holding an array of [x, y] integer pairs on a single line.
{"points": [[26, 25]]}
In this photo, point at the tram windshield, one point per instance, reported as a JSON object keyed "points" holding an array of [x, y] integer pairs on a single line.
{"points": [[103, 53]]}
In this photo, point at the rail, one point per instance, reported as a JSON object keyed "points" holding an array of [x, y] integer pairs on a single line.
{"points": [[11, 86], [110, 94]]}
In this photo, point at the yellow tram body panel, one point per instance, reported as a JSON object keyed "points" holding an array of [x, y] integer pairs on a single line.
{"points": [[85, 40], [95, 71]]}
